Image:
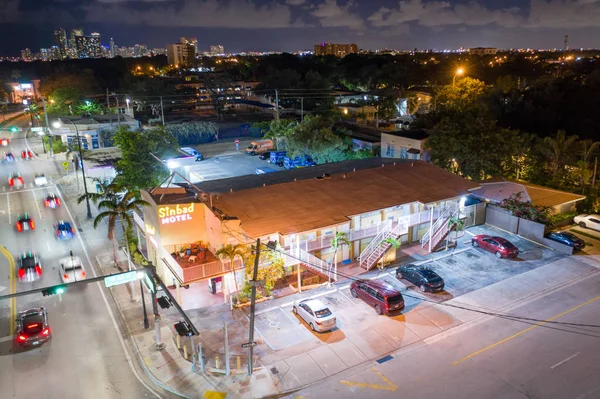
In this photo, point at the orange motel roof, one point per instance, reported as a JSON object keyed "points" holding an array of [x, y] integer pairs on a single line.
{"points": [[307, 204]]}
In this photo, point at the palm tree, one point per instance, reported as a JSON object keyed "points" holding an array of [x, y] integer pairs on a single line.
{"points": [[559, 147], [340, 238], [116, 205], [229, 252], [393, 243], [455, 223], [33, 111]]}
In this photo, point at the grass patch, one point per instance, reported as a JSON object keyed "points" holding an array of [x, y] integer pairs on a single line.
{"points": [[583, 233], [57, 145]]}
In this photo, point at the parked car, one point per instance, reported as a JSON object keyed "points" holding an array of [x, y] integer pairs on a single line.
{"points": [[265, 155], [259, 147], [24, 223], [40, 180], [51, 201], [71, 269], [63, 230], [421, 276], [383, 297], [33, 327], [567, 238], [588, 221], [30, 269], [316, 314], [499, 246], [298, 162]]}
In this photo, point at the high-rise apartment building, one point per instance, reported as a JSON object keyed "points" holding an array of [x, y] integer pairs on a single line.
{"points": [[338, 50], [112, 48], [217, 50], [180, 54], [60, 39], [26, 55], [88, 46], [192, 41]]}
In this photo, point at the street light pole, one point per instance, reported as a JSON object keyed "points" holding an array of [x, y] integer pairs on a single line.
{"points": [[87, 197], [146, 323]]}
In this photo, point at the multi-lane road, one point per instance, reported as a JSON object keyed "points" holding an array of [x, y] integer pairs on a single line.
{"points": [[86, 356]]}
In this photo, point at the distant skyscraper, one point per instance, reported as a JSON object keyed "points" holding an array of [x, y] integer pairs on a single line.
{"points": [[217, 50], [192, 41], [26, 55], [73, 49], [338, 50], [60, 39], [89, 46], [112, 48]]}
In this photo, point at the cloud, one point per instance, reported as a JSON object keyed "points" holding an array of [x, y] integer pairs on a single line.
{"points": [[564, 14], [332, 15], [239, 14], [295, 2]]}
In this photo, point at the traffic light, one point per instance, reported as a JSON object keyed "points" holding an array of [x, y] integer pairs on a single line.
{"points": [[164, 302], [56, 290], [183, 329], [13, 129]]}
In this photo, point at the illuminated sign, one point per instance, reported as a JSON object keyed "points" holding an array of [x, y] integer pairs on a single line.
{"points": [[150, 229], [174, 214]]}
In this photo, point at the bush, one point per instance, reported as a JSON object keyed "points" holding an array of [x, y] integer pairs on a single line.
{"points": [[193, 132], [57, 145], [525, 209]]}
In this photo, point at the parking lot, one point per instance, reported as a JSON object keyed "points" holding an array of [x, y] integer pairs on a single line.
{"points": [[363, 332]]}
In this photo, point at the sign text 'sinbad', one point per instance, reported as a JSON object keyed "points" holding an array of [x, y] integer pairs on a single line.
{"points": [[174, 214]]}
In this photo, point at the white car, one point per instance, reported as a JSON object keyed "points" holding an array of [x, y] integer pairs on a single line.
{"points": [[316, 314], [589, 221], [71, 269], [40, 180]]}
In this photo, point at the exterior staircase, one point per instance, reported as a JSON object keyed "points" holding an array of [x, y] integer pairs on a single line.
{"points": [[298, 254], [440, 229], [378, 246]]}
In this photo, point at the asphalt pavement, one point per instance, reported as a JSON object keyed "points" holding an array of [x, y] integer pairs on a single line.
{"points": [[86, 357]]}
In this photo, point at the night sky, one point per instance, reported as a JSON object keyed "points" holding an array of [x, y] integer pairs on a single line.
{"points": [[290, 25]]}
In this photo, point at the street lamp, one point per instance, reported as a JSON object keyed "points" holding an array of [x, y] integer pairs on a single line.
{"points": [[127, 102], [57, 125], [459, 71]]}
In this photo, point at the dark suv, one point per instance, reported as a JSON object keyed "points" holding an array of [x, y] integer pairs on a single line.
{"points": [[378, 294]]}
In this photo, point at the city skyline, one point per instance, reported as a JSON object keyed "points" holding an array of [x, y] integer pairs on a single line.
{"points": [[290, 25]]}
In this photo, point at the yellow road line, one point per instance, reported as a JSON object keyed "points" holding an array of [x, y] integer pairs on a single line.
{"points": [[389, 386], [525, 331], [12, 284]]}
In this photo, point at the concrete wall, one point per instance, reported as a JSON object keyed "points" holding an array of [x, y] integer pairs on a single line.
{"points": [[558, 246], [531, 230], [502, 219]]}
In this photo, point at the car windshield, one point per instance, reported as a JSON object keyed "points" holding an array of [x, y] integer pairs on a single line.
{"points": [[28, 262], [395, 299], [33, 324], [323, 313], [507, 244]]}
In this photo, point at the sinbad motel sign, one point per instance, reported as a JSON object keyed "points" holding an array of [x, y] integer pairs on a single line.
{"points": [[175, 214]]}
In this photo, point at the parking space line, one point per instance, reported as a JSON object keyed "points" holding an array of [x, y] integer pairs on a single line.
{"points": [[289, 317]]}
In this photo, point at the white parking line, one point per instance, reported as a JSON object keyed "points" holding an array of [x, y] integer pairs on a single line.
{"points": [[565, 360], [289, 317], [37, 204]]}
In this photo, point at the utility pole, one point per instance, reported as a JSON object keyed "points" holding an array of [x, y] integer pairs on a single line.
{"points": [[276, 105], [253, 283], [162, 111], [48, 129], [158, 345], [118, 113]]}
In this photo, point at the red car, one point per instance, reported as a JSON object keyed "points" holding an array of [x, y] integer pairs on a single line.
{"points": [[499, 246], [26, 154], [4, 142], [15, 180]]}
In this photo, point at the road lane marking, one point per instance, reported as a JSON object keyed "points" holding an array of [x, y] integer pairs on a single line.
{"points": [[110, 311], [37, 204], [389, 385], [565, 360], [8, 205], [525, 331]]}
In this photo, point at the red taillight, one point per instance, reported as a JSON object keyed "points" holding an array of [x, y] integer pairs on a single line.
{"points": [[57, 201], [19, 227], [22, 337], [21, 273], [46, 331], [73, 231], [318, 322], [11, 182], [32, 225], [82, 274], [38, 270], [66, 277]]}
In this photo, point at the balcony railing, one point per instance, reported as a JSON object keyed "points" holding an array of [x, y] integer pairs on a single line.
{"points": [[200, 271]]}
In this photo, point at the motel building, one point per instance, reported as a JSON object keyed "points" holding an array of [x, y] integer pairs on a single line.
{"points": [[301, 209]]}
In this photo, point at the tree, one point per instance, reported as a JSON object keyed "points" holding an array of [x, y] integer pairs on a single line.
{"points": [[270, 267], [116, 205], [559, 150], [139, 169], [455, 223], [230, 252], [464, 95], [393, 243], [34, 112], [340, 238], [88, 108]]}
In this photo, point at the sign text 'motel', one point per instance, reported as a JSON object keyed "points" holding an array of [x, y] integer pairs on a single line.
{"points": [[175, 214]]}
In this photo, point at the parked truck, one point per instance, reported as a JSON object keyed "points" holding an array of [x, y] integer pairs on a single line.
{"points": [[298, 162], [259, 147]]}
